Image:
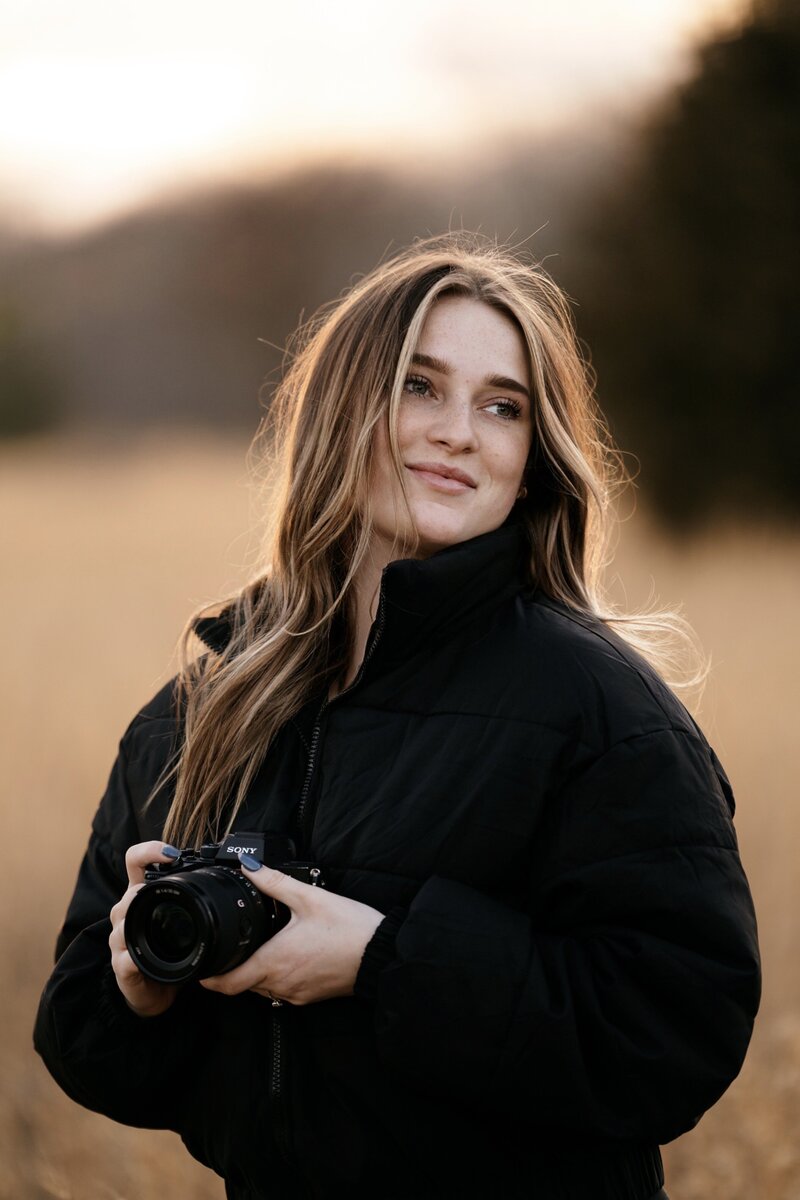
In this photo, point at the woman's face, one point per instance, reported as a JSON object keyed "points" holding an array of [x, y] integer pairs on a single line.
{"points": [[464, 430]]}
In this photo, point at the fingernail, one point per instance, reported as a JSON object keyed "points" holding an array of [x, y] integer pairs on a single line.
{"points": [[170, 852], [251, 863]]}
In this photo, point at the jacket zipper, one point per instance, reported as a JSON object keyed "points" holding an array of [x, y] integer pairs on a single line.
{"points": [[277, 1089], [304, 823], [280, 1111], [312, 755], [275, 1084], [280, 1115]]}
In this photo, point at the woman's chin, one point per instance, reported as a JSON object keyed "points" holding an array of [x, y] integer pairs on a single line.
{"points": [[438, 531]]}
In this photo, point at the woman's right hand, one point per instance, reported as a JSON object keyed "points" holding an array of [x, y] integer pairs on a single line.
{"points": [[143, 995]]}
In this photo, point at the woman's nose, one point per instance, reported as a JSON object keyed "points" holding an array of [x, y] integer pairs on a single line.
{"points": [[453, 425]]}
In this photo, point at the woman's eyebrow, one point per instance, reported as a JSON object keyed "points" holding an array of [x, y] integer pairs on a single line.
{"points": [[499, 381]]}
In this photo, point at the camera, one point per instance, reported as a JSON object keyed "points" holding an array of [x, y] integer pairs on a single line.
{"points": [[200, 916]]}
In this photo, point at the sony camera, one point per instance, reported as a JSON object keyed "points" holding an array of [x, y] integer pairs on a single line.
{"points": [[200, 916]]}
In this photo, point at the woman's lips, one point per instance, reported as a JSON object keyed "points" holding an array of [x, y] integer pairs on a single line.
{"points": [[443, 478]]}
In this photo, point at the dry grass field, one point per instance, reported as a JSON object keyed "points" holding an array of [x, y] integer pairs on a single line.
{"points": [[105, 551]]}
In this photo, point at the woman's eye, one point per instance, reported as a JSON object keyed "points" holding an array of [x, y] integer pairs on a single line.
{"points": [[508, 409], [417, 385]]}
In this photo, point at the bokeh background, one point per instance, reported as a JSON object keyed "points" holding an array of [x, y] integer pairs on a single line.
{"points": [[179, 185]]}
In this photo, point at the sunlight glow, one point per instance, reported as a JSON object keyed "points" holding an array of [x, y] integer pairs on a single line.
{"points": [[100, 104]]}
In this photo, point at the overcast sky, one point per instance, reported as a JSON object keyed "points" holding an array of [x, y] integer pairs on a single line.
{"points": [[103, 104]]}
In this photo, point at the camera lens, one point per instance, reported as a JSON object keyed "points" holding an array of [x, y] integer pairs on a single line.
{"points": [[171, 932], [198, 923]]}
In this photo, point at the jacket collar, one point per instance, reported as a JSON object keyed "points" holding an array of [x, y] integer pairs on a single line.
{"points": [[423, 598], [214, 632]]}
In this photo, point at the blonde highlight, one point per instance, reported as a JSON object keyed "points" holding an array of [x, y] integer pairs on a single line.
{"points": [[291, 626]]}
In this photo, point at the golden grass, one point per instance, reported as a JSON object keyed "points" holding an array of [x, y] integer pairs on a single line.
{"points": [[105, 550]]}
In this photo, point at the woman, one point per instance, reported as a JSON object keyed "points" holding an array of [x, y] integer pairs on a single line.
{"points": [[535, 958]]}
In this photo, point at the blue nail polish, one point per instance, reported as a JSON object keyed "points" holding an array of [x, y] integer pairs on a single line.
{"points": [[170, 852], [251, 863]]}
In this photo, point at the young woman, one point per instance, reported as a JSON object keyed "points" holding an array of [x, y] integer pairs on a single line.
{"points": [[535, 958]]}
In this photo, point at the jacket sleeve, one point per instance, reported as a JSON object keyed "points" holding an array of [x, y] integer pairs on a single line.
{"points": [[622, 1001], [98, 1051]]}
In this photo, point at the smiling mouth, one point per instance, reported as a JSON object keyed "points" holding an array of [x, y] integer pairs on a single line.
{"points": [[443, 479]]}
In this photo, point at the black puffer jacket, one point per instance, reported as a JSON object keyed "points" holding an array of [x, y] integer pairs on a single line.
{"points": [[568, 971]]}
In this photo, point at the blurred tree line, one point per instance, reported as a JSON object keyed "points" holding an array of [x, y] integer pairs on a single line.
{"points": [[677, 239], [689, 281]]}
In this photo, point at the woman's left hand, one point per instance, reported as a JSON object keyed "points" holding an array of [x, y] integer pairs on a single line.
{"points": [[315, 956]]}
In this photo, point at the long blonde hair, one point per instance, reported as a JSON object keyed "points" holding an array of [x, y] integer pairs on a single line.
{"points": [[292, 625]]}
